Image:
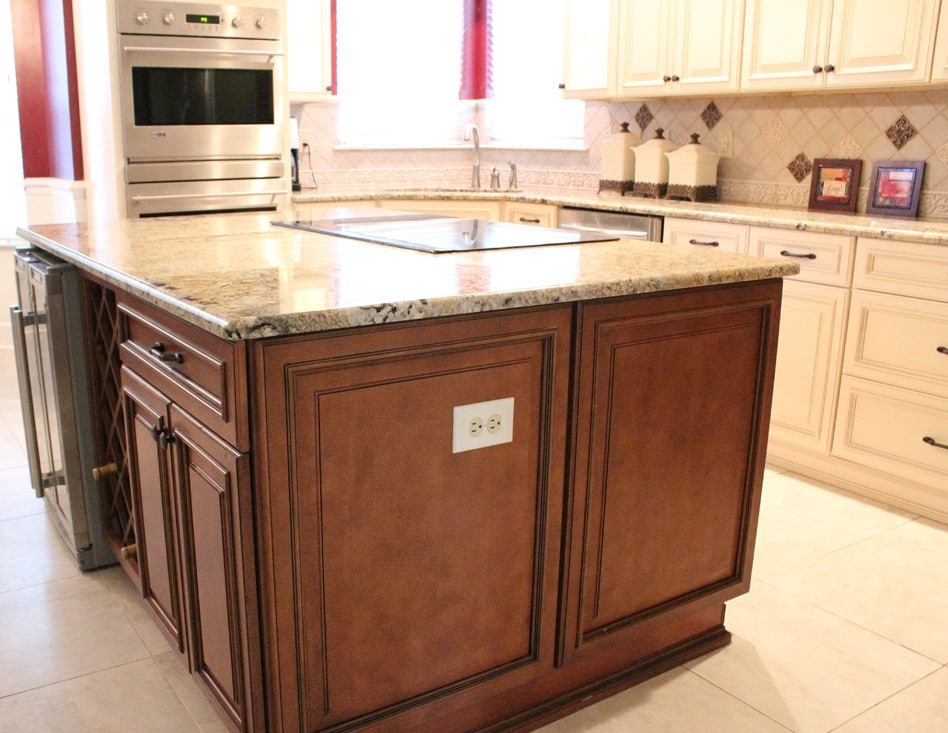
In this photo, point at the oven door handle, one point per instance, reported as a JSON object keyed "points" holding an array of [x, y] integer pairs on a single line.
{"points": [[604, 230], [200, 51], [222, 194], [18, 321]]}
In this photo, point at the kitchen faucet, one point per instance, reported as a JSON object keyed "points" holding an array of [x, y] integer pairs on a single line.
{"points": [[476, 170]]}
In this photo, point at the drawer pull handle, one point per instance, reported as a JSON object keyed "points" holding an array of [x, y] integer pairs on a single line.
{"points": [[807, 256], [158, 351], [942, 349], [933, 442], [711, 243], [529, 220]]}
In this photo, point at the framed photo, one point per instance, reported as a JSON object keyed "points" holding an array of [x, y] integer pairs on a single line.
{"points": [[835, 184], [895, 188]]}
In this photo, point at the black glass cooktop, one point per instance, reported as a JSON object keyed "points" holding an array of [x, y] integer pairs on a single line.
{"points": [[442, 234]]}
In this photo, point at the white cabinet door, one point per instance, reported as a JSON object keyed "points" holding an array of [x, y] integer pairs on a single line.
{"points": [[783, 43], [940, 61], [809, 356], [589, 56], [309, 49], [879, 43], [644, 54]]}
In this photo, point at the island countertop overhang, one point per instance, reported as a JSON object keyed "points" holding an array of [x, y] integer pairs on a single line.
{"points": [[239, 277]]}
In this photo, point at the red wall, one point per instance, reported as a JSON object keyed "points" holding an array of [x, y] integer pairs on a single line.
{"points": [[44, 51]]}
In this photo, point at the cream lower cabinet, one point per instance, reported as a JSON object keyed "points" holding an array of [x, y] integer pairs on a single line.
{"points": [[720, 236], [812, 329], [540, 215]]}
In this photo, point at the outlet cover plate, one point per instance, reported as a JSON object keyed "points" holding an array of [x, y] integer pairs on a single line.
{"points": [[502, 409]]}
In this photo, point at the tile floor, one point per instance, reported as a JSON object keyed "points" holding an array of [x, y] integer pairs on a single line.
{"points": [[845, 629]]}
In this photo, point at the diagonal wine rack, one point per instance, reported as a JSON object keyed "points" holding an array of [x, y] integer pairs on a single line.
{"points": [[109, 423]]}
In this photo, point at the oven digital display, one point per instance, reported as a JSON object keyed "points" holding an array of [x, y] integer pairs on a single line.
{"points": [[203, 19]]}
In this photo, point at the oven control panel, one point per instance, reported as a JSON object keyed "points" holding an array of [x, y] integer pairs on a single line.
{"points": [[163, 18]]}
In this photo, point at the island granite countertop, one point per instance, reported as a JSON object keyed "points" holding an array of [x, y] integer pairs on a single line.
{"points": [[239, 277]]}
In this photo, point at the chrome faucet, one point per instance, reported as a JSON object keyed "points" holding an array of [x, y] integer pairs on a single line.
{"points": [[512, 186], [476, 170]]}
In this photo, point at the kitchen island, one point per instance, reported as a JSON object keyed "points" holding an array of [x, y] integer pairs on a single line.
{"points": [[303, 524]]}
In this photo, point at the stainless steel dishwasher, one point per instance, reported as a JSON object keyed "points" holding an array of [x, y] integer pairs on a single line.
{"points": [[634, 226]]}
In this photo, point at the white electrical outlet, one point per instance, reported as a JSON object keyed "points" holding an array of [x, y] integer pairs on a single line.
{"points": [[481, 424], [726, 143]]}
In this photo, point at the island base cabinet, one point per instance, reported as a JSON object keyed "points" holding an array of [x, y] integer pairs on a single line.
{"points": [[407, 587], [674, 399]]}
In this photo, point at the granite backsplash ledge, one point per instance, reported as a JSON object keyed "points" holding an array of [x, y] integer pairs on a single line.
{"points": [[774, 138]]}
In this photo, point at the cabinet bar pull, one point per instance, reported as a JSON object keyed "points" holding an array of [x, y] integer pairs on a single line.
{"points": [[528, 220], [158, 351], [942, 349], [807, 256], [711, 243], [932, 441]]}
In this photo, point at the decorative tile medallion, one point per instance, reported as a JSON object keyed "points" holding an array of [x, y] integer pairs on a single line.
{"points": [[644, 117], [901, 132], [847, 148], [711, 115], [800, 167], [942, 153], [775, 132]]}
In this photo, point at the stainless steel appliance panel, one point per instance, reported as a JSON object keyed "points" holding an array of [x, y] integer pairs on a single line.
{"points": [[634, 226], [54, 393]]}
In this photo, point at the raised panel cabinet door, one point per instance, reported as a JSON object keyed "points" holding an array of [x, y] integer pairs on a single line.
{"points": [[146, 423], [784, 42], [875, 43], [673, 404], [309, 49], [645, 48], [940, 57], [404, 579], [212, 478], [707, 37], [809, 355], [589, 54]]}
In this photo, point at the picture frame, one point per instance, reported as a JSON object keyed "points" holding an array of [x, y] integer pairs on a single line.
{"points": [[834, 184], [895, 188]]}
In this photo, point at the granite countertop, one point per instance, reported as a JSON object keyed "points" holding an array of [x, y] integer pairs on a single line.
{"points": [[239, 277], [859, 225]]}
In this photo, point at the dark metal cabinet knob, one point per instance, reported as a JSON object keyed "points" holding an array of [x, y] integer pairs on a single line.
{"points": [[817, 69], [830, 68]]}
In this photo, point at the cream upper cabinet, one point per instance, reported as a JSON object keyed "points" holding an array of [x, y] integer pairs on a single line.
{"points": [[940, 61], [309, 49], [813, 44], [678, 47], [589, 55]]}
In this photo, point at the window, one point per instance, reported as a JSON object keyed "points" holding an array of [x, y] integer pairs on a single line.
{"points": [[400, 67]]}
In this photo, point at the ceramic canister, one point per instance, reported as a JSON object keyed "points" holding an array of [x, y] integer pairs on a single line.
{"points": [[651, 166], [618, 161], [693, 172]]}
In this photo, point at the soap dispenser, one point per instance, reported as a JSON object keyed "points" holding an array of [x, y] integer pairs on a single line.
{"points": [[618, 161], [651, 166], [693, 172]]}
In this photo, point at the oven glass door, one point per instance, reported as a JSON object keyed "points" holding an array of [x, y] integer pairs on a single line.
{"points": [[201, 98]]}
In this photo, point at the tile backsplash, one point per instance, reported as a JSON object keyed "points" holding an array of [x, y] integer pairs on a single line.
{"points": [[774, 142]]}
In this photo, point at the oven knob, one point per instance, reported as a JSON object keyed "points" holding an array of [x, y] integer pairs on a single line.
{"points": [[237, 21], [141, 18], [261, 22], [168, 18]]}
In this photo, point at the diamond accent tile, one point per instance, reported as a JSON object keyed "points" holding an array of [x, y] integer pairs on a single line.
{"points": [[775, 132], [901, 132], [942, 153], [644, 117], [847, 148], [800, 167], [711, 115]]}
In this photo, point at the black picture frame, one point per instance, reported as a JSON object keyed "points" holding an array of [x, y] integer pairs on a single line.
{"points": [[895, 188], [834, 184]]}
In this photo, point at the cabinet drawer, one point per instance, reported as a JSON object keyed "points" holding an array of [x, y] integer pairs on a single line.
{"points": [[536, 214], [903, 341], [890, 429], [198, 371], [823, 258], [903, 268], [711, 234]]}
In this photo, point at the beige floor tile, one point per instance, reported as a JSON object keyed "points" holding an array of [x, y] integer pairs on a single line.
{"points": [[133, 605], [895, 584], [175, 672], [675, 701], [32, 552], [16, 496], [56, 631], [832, 507], [133, 697], [921, 708], [805, 667], [786, 540], [12, 453]]}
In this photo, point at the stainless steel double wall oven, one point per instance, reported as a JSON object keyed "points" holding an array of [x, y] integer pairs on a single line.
{"points": [[204, 116]]}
